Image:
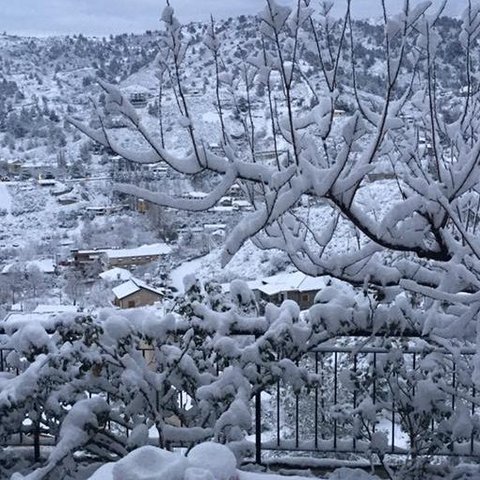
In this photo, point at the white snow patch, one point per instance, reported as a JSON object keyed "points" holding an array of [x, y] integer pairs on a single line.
{"points": [[5, 198], [116, 274], [45, 265], [215, 458], [188, 268], [144, 250], [206, 461], [43, 308]]}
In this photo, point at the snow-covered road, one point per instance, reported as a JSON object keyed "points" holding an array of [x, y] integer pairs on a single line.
{"points": [[5, 198], [177, 275]]}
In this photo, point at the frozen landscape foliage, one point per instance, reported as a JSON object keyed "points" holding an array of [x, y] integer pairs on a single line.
{"points": [[419, 253], [351, 160], [423, 242]]}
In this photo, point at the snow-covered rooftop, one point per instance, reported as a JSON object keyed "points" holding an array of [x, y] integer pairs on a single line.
{"points": [[143, 251], [297, 281], [195, 194], [125, 289], [214, 226], [45, 265], [47, 182], [115, 274], [283, 282], [55, 308], [132, 286], [135, 88], [36, 163]]}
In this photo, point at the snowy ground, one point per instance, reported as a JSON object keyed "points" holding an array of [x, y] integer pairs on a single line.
{"points": [[106, 473], [206, 461], [193, 267], [249, 263], [5, 198], [34, 210]]}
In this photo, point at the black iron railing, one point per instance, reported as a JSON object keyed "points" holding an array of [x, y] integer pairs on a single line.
{"points": [[326, 415]]}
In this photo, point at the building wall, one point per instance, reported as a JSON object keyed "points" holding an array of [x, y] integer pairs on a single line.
{"points": [[14, 168], [86, 257], [130, 261], [304, 299], [138, 299]]}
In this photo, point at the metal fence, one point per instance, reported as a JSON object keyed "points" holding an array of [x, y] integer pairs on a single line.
{"points": [[354, 393], [361, 391]]}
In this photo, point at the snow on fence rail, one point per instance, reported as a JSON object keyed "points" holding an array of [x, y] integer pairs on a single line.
{"points": [[360, 403], [363, 400]]}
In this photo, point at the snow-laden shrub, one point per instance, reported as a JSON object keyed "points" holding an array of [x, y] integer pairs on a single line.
{"points": [[108, 384]]}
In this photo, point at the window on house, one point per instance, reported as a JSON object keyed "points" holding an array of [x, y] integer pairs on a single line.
{"points": [[305, 297], [131, 303]]}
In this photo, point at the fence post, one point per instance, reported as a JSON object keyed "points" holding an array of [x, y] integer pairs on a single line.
{"points": [[278, 413], [374, 393], [472, 436], [258, 428], [36, 436], [354, 440], [316, 402], [297, 420], [258, 424], [335, 391]]}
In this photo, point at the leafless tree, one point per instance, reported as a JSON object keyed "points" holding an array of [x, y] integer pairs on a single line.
{"points": [[424, 239]]}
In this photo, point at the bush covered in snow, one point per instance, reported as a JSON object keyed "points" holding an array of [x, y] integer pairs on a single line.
{"points": [[106, 385], [417, 259]]}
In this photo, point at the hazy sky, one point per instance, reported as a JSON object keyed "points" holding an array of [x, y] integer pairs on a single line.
{"points": [[102, 17]]}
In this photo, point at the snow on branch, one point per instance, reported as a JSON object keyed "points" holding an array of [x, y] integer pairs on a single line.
{"points": [[324, 155]]}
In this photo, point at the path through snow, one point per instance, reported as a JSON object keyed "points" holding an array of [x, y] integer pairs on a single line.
{"points": [[5, 198], [187, 268]]}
